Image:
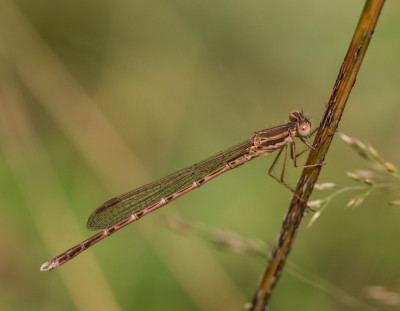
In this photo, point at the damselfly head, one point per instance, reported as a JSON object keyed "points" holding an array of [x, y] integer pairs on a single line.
{"points": [[303, 125]]}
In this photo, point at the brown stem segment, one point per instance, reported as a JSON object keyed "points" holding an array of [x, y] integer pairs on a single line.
{"points": [[328, 126]]}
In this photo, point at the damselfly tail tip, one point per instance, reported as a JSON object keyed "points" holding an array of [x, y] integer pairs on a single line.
{"points": [[47, 266]]}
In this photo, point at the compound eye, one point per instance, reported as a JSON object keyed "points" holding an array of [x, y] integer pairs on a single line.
{"points": [[295, 115], [304, 129]]}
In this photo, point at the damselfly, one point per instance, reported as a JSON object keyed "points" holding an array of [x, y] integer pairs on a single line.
{"points": [[133, 205]]}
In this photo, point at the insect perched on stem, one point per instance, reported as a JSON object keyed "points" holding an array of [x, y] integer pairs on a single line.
{"points": [[133, 205]]}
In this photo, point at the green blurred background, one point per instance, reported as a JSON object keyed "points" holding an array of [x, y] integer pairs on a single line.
{"points": [[99, 97]]}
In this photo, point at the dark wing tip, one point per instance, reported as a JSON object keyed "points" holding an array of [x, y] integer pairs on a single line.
{"points": [[95, 219]]}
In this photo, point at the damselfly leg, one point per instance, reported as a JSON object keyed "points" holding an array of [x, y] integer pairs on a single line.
{"points": [[293, 156]]}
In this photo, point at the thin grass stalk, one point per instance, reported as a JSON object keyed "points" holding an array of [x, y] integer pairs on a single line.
{"points": [[328, 126]]}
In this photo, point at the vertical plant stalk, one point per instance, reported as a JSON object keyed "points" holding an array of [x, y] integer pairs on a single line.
{"points": [[328, 126]]}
